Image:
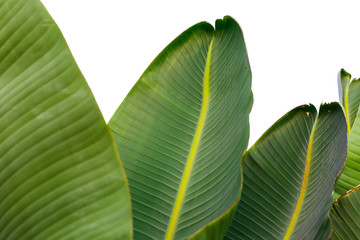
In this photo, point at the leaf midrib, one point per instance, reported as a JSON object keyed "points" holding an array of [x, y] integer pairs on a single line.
{"points": [[303, 189], [193, 150], [346, 106]]}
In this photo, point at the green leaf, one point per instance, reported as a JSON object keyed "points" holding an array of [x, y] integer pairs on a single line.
{"points": [[350, 176], [217, 228], [60, 176], [182, 130], [343, 86], [345, 216], [289, 175], [354, 100], [349, 94]]}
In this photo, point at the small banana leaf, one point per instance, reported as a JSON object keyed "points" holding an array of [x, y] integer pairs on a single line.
{"points": [[349, 94], [350, 99], [181, 132], [345, 216], [289, 176], [60, 175]]}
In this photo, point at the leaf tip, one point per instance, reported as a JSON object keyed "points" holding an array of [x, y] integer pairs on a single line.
{"points": [[344, 73], [309, 109], [330, 107], [225, 21]]}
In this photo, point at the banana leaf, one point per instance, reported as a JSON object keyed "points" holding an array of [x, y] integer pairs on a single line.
{"points": [[60, 175], [181, 132], [289, 176], [350, 99], [349, 94], [345, 216]]}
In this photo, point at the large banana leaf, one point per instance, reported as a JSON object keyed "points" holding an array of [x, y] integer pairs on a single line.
{"points": [[60, 176], [345, 216], [289, 175], [181, 132], [350, 99]]}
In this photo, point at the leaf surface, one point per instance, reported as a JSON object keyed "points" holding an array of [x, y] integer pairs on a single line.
{"points": [[182, 129], [350, 176], [345, 216], [349, 94], [289, 176], [60, 176]]}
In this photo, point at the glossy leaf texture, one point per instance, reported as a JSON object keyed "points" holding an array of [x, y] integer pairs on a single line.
{"points": [[182, 130], [60, 175], [345, 216], [350, 176], [289, 175]]}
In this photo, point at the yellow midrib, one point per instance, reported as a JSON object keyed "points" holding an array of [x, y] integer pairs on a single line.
{"points": [[193, 150], [346, 106], [303, 187]]}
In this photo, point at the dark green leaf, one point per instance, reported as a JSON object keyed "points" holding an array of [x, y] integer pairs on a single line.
{"points": [[289, 176], [345, 216], [182, 129]]}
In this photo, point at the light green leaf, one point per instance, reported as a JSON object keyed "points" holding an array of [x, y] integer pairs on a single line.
{"points": [[343, 86], [350, 176], [289, 176], [349, 94], [354, 100], [60, 176], [182, 130], [345, 216]]}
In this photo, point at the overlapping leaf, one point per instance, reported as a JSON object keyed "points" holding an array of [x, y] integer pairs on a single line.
{"points": [[60, 176], [181, 132], [349, 93], [350, 99], [345, 216], [289, 176]]}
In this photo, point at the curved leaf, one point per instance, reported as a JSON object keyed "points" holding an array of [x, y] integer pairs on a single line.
{"points": [[182, 130], [345, 216], [354, 100], [349, 93], [350, 176], [217, 228], [60, 176], [343, 87], [289, 176]]}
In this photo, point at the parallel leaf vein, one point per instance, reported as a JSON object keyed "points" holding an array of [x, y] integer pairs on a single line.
{"points": [[193, 150], [303, 189]]}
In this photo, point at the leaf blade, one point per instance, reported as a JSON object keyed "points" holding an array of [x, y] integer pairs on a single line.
{"points": [[166, 105], [345, 214], [53, 139], [273, 171], [349, 177], [193, 149]]}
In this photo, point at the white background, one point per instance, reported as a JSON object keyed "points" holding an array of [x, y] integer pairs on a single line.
{"points": [[296, 48]]}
